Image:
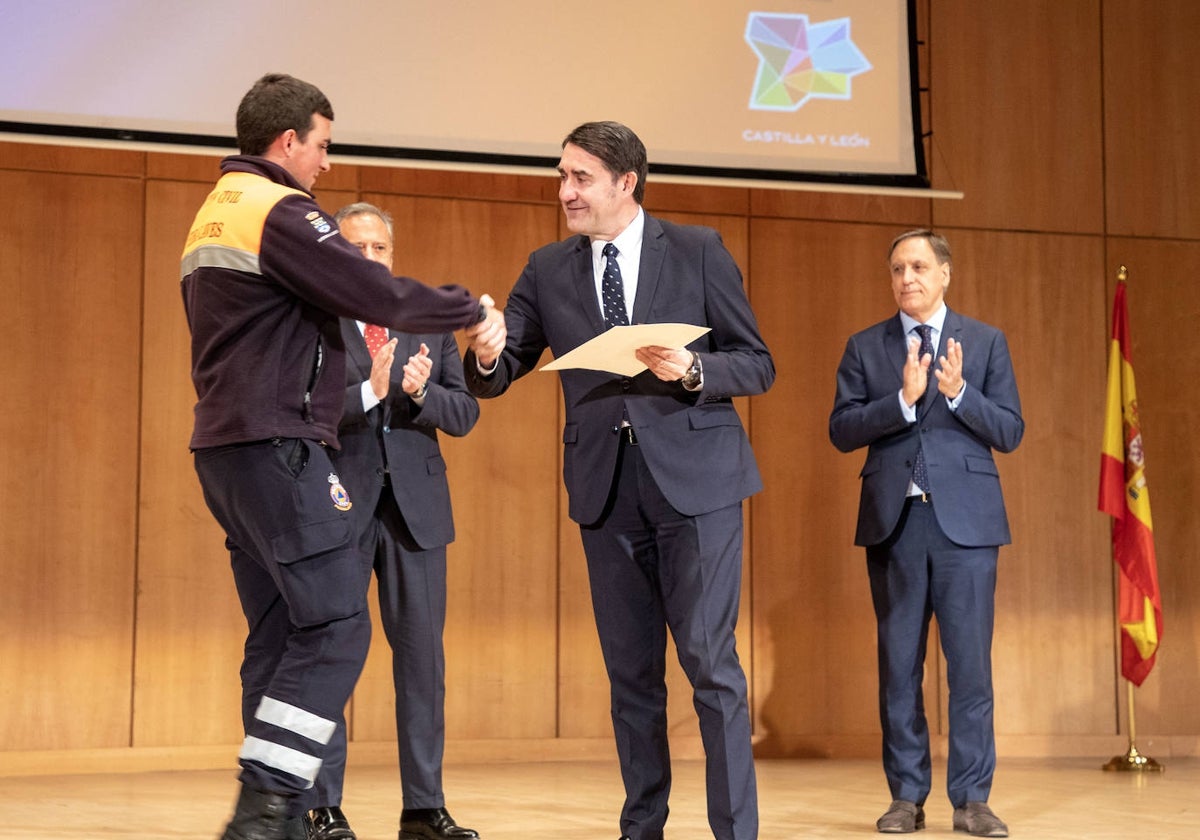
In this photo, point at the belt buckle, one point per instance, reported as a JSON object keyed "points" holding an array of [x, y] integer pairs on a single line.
{"points": [[630, 436]]}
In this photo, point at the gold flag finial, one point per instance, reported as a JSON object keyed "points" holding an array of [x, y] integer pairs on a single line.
{"points": [[1122, 274]]}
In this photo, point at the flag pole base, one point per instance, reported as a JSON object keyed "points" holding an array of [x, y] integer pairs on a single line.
{"points": [[1134, 761]]}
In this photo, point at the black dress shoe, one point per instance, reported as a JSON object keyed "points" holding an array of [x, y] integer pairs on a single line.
{"points": [[432, 824], [258, 815], [328, 824]]}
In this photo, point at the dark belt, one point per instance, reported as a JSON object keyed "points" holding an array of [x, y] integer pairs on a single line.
{"points": [[922, 499], [627, 434]]}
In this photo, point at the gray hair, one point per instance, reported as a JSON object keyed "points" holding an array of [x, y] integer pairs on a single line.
{"points": [[363, 208]]}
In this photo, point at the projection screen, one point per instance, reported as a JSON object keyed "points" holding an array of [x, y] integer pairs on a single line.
{"points": [[811, 90]]}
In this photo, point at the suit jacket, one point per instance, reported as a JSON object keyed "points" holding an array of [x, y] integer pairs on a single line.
{"points": [[692, 442], [400, 438], [964, 482]]}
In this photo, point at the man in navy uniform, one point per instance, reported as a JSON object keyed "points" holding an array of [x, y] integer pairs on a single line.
{"points": [[265, 276]]}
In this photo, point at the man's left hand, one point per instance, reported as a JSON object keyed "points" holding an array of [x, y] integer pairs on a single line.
{"points": [[949, 372], [667, 364], [416, 371]]}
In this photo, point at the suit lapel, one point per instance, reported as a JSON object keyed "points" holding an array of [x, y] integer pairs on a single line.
{"points": [[895, 347], [356, 348], [585, 284], [654, 252]]}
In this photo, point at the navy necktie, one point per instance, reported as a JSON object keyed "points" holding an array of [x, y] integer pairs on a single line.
{"points": [[612, 290], [920, 474]]}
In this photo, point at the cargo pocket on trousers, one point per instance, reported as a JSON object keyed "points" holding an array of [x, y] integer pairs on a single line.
{"points": [[322, 576]]}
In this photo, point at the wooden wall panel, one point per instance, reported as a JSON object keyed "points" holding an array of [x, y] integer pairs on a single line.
{"points": [[903, 212], [1016, 114], [1164, 307], [1151, 118], [190, 626], [498, 186], [205, 169], [44, 157], [813, 628], [500, 632], [69, 280], [1053, 648]]}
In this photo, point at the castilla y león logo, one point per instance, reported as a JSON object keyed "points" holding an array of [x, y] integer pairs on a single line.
{"points": [[799, 61]]}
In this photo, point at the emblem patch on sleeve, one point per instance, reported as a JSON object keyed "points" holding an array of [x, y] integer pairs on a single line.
{"points": [[318, 222]]}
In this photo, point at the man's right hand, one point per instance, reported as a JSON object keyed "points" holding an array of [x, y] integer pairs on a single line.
{"points": [[916, 373], [381, 369], [486, 339]]}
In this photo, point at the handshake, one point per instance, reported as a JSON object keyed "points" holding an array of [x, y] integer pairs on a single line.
{"points": [[486, 337]]}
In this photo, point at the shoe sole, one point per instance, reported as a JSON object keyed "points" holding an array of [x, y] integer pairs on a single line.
{"points": [[917, 827]]}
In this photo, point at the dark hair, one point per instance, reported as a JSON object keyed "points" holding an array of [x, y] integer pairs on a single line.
{"points": [[941, 248], [617, 147], [276, 103]]}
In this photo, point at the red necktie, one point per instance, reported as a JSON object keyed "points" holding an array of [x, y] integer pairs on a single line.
{"points": [[375, 337]]}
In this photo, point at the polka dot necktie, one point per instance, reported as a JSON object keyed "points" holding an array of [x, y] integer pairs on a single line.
{"points": [[920, 474], [612, 290], [375, 337]]}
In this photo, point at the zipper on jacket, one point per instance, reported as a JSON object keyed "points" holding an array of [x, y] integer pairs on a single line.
{"points": [[318, 363]]}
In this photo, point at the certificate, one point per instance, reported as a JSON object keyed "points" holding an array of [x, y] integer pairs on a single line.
{"points": [[613, 349]]}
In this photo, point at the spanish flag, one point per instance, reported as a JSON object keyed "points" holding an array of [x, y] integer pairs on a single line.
{"points": [[1125, 497]]}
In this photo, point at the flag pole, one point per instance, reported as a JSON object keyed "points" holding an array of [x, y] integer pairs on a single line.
{"points": [[1132, 760]]}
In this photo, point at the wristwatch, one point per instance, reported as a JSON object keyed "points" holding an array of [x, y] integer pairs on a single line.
{"points": [[691, 379]]}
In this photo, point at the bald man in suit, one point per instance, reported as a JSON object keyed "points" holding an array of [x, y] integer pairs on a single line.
{"points": [[402, 389]]}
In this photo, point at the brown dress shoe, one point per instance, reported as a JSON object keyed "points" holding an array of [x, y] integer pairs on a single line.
{"points": [[432, 824], [977, 819], [901, 817]]}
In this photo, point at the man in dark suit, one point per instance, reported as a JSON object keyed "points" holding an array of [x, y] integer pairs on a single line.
{"points": [[932, 519], [656, 465], [391, 458]]}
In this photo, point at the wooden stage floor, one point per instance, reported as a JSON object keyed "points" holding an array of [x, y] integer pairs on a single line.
{"points": [[1046, 799]]}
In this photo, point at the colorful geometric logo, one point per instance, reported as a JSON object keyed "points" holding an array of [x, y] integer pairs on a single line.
{"points": [[800, 61]]}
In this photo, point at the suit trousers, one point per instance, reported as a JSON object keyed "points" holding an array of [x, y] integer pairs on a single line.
{"points": [[915, 574], [650, 569], [302, 585], [412, 609]]}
